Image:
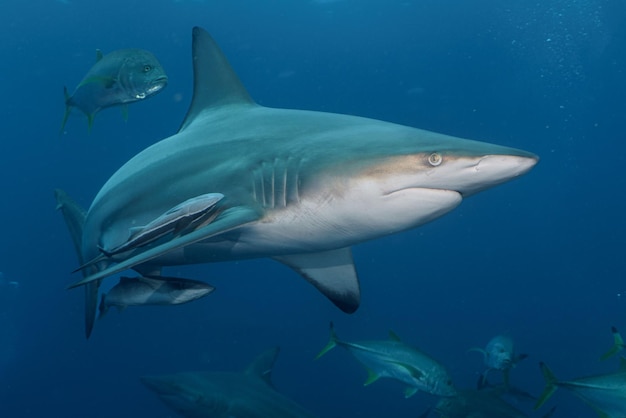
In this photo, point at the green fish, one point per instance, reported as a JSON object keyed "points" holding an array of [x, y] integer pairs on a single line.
{"points": [[121, 77], [394, 359], [605, 393]]}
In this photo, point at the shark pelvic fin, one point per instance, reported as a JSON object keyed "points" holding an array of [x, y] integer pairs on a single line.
{"points": [[332, 273], [262, 366], [215, 82], [229, 219]]}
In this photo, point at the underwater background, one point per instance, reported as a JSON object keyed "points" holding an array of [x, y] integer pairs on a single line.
{"points": [[540, 258]]}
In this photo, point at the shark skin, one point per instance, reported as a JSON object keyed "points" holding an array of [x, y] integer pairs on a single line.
{"points": [[301, 187], [247, 394]]}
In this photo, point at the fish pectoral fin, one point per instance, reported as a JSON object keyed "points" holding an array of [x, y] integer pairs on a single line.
{"points": [[229, 219], [417, 374], [371, 377], [410, 391], [332, 273]]}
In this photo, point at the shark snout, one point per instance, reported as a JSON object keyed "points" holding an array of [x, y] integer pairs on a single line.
{"points": [[491, 170]]}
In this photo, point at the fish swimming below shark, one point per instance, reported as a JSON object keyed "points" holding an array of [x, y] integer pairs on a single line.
{"points": [[300, 187], [605, 393], [499, 354], [396, 360], [247, 394], [143, 291], [118, 78]]}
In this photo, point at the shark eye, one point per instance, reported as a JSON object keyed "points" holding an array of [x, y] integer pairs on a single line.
{"points": [[435, 159], [147, 68]]}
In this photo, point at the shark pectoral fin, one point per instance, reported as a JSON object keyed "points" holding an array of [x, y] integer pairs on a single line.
{"points": [[74, 217], [371, 377], [332, 273], [262, 366], [229, 219], [410, 391]]}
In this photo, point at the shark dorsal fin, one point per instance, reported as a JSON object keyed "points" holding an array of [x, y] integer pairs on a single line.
{"points": [[262, 366], [215, 83]]}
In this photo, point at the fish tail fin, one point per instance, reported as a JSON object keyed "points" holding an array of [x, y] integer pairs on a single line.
{"points": [[68, 109], [332, 342], [618, 344], [74, 217], [551, 385]]}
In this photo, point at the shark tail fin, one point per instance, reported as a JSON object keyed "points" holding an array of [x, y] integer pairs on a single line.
{"points": [[263, 365], [551, 385], [618, 344], [68, 109], [74, 217], [332, 342]]}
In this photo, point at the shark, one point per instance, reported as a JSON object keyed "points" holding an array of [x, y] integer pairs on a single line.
{"points": [[300, 187], [227, 394]]}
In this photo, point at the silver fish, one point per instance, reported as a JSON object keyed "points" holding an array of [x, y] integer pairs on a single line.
{"points": [[184, 217], [121, 77], [394, 359], [499, 354], [145, 290]]}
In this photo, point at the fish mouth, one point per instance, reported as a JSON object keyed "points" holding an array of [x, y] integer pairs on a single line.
{"points": [[157, 85]]}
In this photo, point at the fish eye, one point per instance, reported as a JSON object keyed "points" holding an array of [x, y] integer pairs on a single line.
{"points": [[147, 68], [435, 159]]}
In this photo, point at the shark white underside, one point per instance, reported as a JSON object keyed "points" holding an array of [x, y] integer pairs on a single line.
{"points": [[301, 187]]}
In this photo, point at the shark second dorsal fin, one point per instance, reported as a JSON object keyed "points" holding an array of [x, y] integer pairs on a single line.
{"points": [[214, 81], [262, 366]]}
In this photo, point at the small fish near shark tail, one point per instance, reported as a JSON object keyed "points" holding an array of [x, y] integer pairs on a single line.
{"points": [[74, 216], [618, 344], [332, 343], [551, 385]]}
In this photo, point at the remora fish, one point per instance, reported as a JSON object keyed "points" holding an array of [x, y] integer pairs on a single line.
{"points": [[394, 359], [499, 354], [143, 290], [118, 78], [247, 394], [605, 393], [301, 187]]}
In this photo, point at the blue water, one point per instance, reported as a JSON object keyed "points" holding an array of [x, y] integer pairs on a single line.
{"points": [[540, 258]]}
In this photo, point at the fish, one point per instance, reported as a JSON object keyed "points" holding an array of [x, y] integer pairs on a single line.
{"points": [[118, 78], [301, 187], [618, 344], [605, 393], [396, 360], [142, 290], [499, 354], [248, 394]]}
